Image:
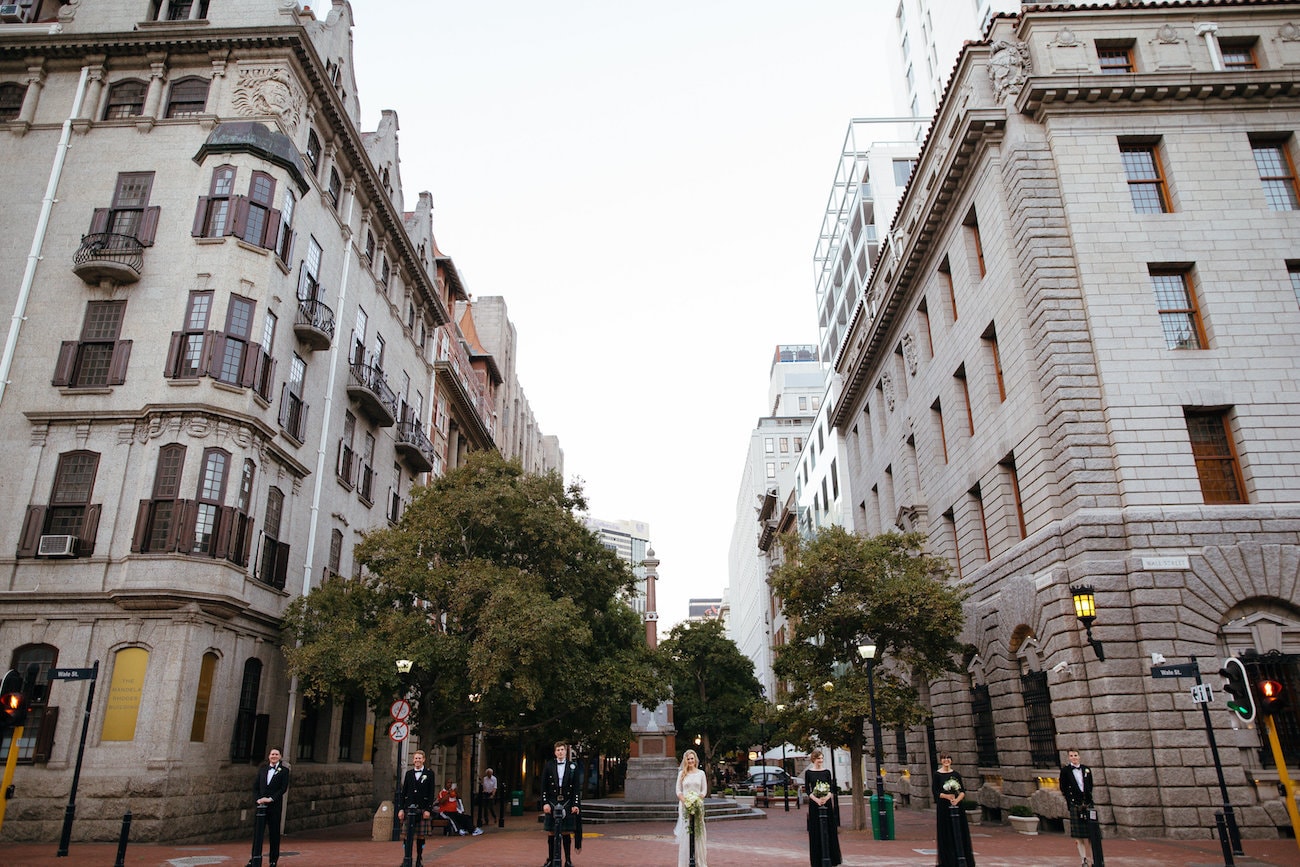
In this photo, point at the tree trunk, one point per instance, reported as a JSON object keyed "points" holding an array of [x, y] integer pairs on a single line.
{"points": [[855, 757]]}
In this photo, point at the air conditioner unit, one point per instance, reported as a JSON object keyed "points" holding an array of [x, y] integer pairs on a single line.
{"points": [[11, 13], [57, 546]]}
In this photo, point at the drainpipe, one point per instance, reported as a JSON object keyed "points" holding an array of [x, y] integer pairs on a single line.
{"points": [[38, 242], [1207, 31]]}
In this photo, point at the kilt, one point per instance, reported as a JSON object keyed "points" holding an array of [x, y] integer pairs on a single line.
{"points": [[423, 828], [1079, 820], [569, 825]]}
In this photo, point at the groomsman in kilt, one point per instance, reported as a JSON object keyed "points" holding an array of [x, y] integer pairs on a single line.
{"points": [[417, 790], [562, 794], [1076, 786]]}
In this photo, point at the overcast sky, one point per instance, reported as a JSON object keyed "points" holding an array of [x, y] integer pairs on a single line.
{"points": [[644, 184]]}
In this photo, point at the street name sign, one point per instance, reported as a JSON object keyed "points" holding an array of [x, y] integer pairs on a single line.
{"points": [[1181, 669]]}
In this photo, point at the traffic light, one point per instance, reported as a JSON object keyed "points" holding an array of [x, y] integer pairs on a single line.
{"points": [[13, 700], [1272, 697], [1236, 683]]}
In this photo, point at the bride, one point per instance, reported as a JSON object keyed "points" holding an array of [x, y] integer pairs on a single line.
{"points": [[691, 780]]}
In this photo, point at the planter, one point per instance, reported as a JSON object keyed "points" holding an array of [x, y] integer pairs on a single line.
{"points": [[1027, 825], [973, 816]]}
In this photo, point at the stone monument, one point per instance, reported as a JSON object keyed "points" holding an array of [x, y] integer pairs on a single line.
{"points": [[652, 761]]}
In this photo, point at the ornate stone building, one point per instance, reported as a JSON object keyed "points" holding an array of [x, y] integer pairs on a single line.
{"points": [[1074, 365], [231, 354]]}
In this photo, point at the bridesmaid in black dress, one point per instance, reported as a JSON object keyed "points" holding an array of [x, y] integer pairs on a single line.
{"points": [[819, 805], [949, 791]]}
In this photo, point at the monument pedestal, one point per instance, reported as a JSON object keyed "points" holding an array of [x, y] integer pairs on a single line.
{"points": [[652, 765]]}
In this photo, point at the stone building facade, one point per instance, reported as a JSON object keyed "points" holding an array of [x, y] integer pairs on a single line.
{"points": [[1074, 365], [231, 354]]}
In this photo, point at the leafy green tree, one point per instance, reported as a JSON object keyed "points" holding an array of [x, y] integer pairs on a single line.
{"points": [[493, 588], [714, 687], [837, 588]]}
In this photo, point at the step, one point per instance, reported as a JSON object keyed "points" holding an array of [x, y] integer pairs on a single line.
{"points": [[613, 810]]}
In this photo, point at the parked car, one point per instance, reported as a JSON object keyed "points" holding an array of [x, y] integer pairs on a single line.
{"points": [[763, 777]]}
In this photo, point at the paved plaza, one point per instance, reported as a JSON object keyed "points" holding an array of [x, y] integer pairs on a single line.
{"points": [[779, 839]]}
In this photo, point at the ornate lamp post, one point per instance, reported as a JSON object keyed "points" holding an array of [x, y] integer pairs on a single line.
{"points": [[403, 668], [867, 650], [1085, 608], [780, 708]]}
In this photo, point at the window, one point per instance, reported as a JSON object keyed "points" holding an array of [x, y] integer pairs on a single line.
{"points": [[1293, 271], [1276, 174], [211, 493], [991, 343], [313, 151], [255, 220], [769, 445], [203, 697], [236, 365], [1179, 319], [180, 10], [785, 445], [344, 467], [11, 100], [274, 566], [977, 496], [284, 243], [803, 404], [336, 551], [945, 278], [370, 247], [771, 469], [936, 410], [798, 444], [1146, 180], [1238, 53], [125, 99], [395, 495], [265, 365], [835, 481], [42, 720], [70, 512], [249, 736], [309, 272], [188, 97], [335, 188], [1008, 465], [366, 479], [185, 359], [963, 388], [923, 319], [972, 225], [157, 526], [1115, 59], [986, 738], [130, 215], [1038, 715], [98, 359], [1217, 466], [386, 274], [950, 521], [903, 171], [293, 412], [212, 219]]}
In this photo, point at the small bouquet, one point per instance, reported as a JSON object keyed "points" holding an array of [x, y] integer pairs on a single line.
{"points": [[952, 786], [693, 805], [822, 789]]}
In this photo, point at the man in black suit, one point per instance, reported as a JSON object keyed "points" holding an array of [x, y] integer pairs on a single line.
{"points": [[562, 795], [417, 790], [1076, 786], [269, 786]]}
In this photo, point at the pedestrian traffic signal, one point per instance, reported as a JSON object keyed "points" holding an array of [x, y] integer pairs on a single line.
{"points": [[1236, 683], [1272, 697], [13, 701]]}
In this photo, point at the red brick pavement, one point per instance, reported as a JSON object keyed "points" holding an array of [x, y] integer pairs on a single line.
{"points": [[780, 839]]}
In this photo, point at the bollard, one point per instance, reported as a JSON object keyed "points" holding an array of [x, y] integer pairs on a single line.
{"points": [[259, 828], [958, 839], [692, 832], [823, 822], [1094, 837], [1225, 840], [121, 840]]}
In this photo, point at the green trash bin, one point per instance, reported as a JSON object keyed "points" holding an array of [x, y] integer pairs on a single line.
{"points": [[887, 833], [516, 803]]}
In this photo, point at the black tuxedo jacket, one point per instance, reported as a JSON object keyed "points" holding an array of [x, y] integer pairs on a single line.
{"points": [[1074, 796], [275, 789], [417, 791], [568, 793]]}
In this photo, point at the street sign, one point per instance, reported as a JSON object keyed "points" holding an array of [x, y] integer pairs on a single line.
{"points": [[398, 731], [1181, 669], [1202, 693], [73, 674], [401, 709]]}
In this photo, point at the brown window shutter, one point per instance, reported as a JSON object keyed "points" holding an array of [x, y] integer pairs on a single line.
{"points": [[89, 530], [33, 524], [272, 230], [99, 220], [281, 565], [239, 209], [286, 255], [148, 226], [249, 364], [67, 359], [45, 735], [117, 367], [283, 418], [214, 347], [200, 217], [187, 517], [225, 527], [246, 542], [174, 354], [141, 536]]}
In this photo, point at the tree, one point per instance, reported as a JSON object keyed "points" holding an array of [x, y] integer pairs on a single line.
{"points": [[837, 588], [714, 688], [494, 588]]}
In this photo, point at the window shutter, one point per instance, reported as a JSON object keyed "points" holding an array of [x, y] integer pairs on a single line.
{"points": [[283, 417], [89, 530], [174, 354], [246, 540], [225, 526], [45, 735], [272, 230], [286, 255], [141, 536], [33, 524], [67, 359], [249, 364], [213, 349], [200, 215], [239, 209], [181, 537], [117, 367], [264, 375], [281, 565], [300, 433], [99, 220], [148, 226]]}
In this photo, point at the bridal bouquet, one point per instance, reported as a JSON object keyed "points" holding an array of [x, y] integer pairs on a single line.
{"points": [[822, 789], [693, 805]]}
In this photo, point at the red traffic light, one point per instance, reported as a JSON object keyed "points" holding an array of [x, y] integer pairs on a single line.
{"points": [[1271, 696], [13, 707]]}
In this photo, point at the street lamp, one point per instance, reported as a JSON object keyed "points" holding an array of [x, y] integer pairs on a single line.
{"points": [[403, 667], [475, 798], [1085, 608], [780, 708], [867, 650]]}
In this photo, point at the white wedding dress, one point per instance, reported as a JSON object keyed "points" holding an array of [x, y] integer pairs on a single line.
{"points": [[696, 782]]}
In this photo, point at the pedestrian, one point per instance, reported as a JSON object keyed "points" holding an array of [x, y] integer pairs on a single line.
{"points": [[692, 787], [269, 787], [1076, 786], [451, 808], [417, 791], [823, 812], [952, 834], [562, 799], [488, 794]]}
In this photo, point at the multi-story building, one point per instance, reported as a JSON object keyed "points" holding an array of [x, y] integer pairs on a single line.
{"points": [[630, 540], [704, 609], [1074, 363], [796, 383], [259, 364]]}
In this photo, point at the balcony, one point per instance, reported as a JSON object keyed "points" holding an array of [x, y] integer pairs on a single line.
{"points": [[105, 256], [369, 390], [314, 325], [414, 447]]}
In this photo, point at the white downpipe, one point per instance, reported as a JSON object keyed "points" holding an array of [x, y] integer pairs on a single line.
{"points": [[38, 241], [322, 450], [1207, 31]]}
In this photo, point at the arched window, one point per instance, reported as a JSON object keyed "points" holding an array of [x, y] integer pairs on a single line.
{"points": [[188, 97], [203, 697], [42, 720], [244, 745], [125, 99]]}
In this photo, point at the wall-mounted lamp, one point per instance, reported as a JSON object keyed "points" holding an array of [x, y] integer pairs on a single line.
{"points": [[1085, 608], [404, 666]]}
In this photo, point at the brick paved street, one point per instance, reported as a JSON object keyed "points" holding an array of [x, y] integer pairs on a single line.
{"points": [[777, 840]]}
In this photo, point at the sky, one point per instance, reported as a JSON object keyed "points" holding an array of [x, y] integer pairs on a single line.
{"points": [[644, 184]]}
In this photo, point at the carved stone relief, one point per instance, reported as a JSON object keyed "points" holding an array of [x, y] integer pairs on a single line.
{"points": [[909, 353], [887, 384], [268, 90], [1009, 66]]}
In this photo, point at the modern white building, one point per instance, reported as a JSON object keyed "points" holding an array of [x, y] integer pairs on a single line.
{"points": [[631, 541]]}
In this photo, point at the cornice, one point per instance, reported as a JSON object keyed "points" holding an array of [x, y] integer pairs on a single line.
{"points": [[1045, 95]]}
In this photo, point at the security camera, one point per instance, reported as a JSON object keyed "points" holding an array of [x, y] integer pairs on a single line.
{"points": [[1060, 667], [1157, 659]]}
